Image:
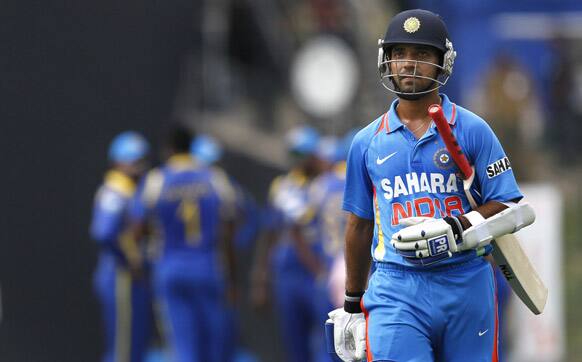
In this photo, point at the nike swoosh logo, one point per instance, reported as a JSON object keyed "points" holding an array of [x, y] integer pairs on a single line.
{"points": [[380, 161], [482, 333]]}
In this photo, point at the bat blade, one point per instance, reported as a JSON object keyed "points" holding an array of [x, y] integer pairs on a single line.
{"points": [[520, 273]]}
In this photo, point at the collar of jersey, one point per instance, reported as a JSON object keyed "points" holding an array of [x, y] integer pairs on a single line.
{"points": [[298, 176], [392, 122], [181, 161], [120, 182]]}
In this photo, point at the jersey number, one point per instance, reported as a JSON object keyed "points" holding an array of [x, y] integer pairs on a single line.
{"points": [[189, 213]]}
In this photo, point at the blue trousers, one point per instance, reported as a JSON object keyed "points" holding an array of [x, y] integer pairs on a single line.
{"points": [[192, 302], [447, 314], [126, 311], [302, 308]]}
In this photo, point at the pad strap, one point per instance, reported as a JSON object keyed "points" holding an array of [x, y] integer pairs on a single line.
{"points": [[474, 217]]}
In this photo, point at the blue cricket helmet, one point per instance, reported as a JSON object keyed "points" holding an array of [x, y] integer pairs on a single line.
{"points": [[327, 149], [206, 149], [421, 27], [302, 140], [128, 147]]}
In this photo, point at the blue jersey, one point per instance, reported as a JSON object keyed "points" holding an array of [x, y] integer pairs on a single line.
{"points": [[289, 204], [248, 217], [186, 203], [392, 175], [110, 213], [325, 199]]}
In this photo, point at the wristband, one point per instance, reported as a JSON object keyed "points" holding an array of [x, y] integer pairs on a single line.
{"points": [[352, 302], [456, 226]]}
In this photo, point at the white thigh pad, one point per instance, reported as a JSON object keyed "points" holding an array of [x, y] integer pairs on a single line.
{"points": [[508, 221]]}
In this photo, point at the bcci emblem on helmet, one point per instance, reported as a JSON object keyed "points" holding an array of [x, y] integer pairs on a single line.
{"points": [[411, 24], [442, 159]]}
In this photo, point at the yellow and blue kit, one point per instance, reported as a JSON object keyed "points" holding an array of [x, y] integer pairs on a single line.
{"points": [[186, 202], [326, 196], [125, 301], [294, 285], [445, 311], [325, 200]]}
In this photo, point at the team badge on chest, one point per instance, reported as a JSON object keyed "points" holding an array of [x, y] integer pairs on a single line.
{"points": [[442, 159]]}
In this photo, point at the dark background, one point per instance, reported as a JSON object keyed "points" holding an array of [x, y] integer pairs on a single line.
{"points": [[73, 74]]}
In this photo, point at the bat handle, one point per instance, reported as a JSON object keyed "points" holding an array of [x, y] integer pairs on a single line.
{"points": [[435, 111]]}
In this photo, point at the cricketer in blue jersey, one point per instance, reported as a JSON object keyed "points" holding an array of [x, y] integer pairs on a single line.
{"points": [[208, 151], [325, 199], [290, 260], [192, 207], [119, 282], [400, 175]]}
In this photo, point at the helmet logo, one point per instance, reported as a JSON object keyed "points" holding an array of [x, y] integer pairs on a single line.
{"points": [[411, 25]]}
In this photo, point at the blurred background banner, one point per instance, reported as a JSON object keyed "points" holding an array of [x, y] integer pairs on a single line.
{"points": [[541, 338], [76, 73]]}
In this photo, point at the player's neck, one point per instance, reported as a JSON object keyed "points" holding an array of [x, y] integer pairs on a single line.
{"points": [[411, 112]]}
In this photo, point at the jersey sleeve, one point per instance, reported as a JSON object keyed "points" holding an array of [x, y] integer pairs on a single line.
{"points": [[146, 196], [226, 193], [315, 195], [358, 192], [493, 172], [272, 216], [108, 214]]}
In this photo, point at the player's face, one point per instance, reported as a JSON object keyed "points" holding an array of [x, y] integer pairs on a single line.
{"points": [[134, 169], [412, 65]]}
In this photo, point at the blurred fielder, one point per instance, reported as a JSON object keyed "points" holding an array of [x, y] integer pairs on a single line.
{"points": [[192, 208], [293, 251], [432, 295], [208, 152], [119, 281]]}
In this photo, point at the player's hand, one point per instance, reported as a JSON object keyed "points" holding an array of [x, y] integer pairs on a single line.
{"points": [[349, 335], [232, 295], [136, 268], [429, 240], [259, 295]]}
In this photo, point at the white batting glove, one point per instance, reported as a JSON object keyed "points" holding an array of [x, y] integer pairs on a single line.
{"points": [[349, 335], [429, 240], [414, 220]]}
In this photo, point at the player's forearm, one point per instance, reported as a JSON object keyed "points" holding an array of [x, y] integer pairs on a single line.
{"points": [[359, 234], [260, 273], [486, 210], [229, 231], [304, 252]]}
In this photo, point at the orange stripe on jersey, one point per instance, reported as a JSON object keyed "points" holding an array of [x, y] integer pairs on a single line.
{"points": [[495, 352], [369, 356], [383, 124], [452, 120]]}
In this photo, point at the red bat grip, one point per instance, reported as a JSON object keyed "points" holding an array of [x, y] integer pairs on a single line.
{"points": [[435, 111]]}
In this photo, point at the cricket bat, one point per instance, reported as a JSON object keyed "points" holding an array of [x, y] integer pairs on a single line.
{"points": [[507, 252]]}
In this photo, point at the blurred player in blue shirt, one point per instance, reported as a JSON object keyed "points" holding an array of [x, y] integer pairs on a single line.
{"points": [[192, 206], [290, 261], [325, 200], [325, 216], [208, 151], [119, 282]]}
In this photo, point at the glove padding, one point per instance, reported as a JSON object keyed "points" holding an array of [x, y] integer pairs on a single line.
{"points": [[349, 335], [429, 239]]}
